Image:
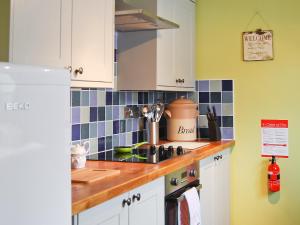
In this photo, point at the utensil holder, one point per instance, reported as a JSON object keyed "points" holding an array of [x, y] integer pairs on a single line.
{"points": [[153, 133], [214, 132]]}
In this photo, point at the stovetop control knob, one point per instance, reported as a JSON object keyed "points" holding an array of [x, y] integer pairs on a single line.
{"points": [[193, 173], [174, 181], [161, 153], [152, 150], [179, 150], [170, 151]]}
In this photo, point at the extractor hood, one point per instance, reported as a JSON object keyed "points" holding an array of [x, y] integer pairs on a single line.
{"points": [[130, 18]]}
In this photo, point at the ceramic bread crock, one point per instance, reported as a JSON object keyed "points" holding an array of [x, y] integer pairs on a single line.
{"points": [[181, 117]]}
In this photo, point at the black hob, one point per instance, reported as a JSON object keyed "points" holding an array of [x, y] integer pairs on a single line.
{"points": [[144, 154]]}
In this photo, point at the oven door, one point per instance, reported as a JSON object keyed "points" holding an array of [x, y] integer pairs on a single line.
{"points": [[172, 200]]}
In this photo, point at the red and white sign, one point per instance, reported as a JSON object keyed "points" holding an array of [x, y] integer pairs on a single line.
{"points": [[274, 138]]}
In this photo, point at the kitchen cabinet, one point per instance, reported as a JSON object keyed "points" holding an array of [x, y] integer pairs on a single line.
{"points": [[162, 59], [215, 194], [73, 34], [143, 205]]}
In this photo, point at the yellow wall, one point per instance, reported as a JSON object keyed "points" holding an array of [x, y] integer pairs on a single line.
{"points": [[4, 29], [269, 89]]}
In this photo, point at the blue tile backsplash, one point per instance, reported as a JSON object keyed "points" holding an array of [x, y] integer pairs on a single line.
{"points": [[98, 114]]}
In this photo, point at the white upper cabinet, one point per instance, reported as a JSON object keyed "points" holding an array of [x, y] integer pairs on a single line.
{"points": [[74, 34], [92, 43], [40, 32], [162, 59]]}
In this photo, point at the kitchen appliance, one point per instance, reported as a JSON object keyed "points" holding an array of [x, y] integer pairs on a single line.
{"points": [[131, 18], [181, 117], [35, 146], [176, 183], [143, 154]]}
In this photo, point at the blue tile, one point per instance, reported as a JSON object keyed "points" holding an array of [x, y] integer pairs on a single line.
{"points": [[122, 126], [101, 156], [75, 98], [203, 86], [116, 98], [85, 98], [227, 133], [93, 98], [129, 125], [108, 113], [85, 131], [203, 97], [101, 129], [116, 140], [227, 97], [116, 127], [108, 143], [101, 144], [108, 155], [122, 96], [75, 115], [93, 114], [116, 112], [146, 99], [215, 97], [101, 113], [108, 98], [93, 130], [227, 85], [227, 121], [140, 98], [128, 98], [134, 137], [75, 132]]}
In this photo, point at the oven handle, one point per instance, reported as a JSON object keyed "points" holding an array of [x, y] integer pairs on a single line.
{"points": [[181, 197]]}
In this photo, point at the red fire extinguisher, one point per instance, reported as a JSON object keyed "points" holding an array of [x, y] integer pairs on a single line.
{"points": [[274, 176]]}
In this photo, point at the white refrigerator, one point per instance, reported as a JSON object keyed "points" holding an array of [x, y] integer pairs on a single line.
{"points": [[35, 174]]}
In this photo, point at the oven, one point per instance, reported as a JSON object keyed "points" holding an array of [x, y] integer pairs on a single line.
{"points": [[177, 183]]}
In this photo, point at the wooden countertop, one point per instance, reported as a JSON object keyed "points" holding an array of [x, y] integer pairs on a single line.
{"points": [[85, 196]]}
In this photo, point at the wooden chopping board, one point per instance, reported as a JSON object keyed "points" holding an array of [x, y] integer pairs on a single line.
{"points": [[92, 175]]}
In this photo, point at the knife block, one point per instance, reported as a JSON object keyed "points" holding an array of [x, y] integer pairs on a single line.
{"points": [[214, 131]]}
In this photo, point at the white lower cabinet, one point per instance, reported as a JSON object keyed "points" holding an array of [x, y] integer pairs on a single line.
{"points": [[141, 206], [215, 192]]}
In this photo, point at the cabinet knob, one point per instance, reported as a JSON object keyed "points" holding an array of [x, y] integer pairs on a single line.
{"points": [[221, 156], [69, 68], [182, 80], [136, 197], [126, 202], [174, 181], [177, 81], [216, 158], [78, 71]]}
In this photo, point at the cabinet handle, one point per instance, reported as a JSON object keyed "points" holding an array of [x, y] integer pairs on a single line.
{"points": [[137, 197], [126, 202], [216, 158], [69, 68], [78, 71]]}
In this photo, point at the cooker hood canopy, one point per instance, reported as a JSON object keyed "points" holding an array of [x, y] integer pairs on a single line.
{"points": [[130, 18]]}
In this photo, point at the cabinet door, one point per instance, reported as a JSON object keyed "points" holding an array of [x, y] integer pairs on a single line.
{"points": [[40, 32], [93, 43], [207, 195], [184, 42], [149, 210], [109, 213], [222, 189], [165, 47]]}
